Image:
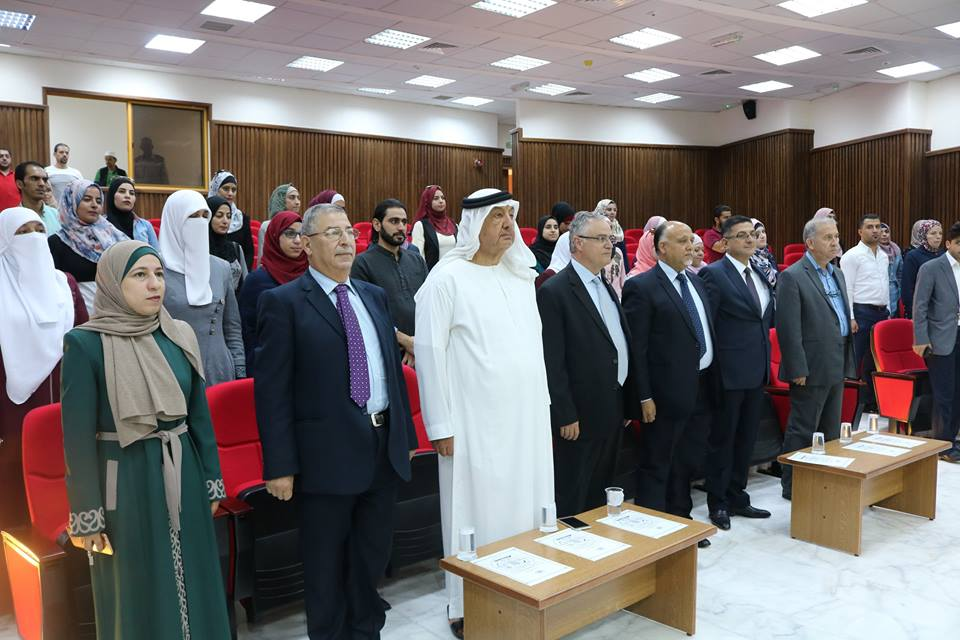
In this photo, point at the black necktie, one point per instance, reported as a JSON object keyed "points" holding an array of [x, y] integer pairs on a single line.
{"points": [[753, 289], [692, 311]]}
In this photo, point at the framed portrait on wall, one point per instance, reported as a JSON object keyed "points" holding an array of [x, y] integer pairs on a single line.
{"points": [[168, 145]]}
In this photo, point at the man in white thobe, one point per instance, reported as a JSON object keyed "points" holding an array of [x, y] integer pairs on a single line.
{"points": [[483, 384]]}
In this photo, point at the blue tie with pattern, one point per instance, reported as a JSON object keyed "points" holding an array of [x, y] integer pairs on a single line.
{"points": [[692, 310], [356, 351]]}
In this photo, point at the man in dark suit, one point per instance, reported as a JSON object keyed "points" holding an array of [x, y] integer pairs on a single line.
{"points": [[672, 338], [816, 340], [335, 425], [742, 302], [587, 359]]}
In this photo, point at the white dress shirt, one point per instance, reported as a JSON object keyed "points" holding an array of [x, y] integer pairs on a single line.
{"points": [[955, 268], [707, 358], [759, 282], [868, 276], [610, 315]]}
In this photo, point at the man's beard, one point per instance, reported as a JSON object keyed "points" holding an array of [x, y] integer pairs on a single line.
{"points": [[396, 240]]}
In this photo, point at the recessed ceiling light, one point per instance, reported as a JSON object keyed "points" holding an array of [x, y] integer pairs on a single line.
{"points": [[429, 81], [520, 63], [813, 8], [787, 56], [645, 38], [911, 69], [16, 20], [952, 29], [763, 87], [241, 10], [654, 98], [652, 75], [513, 8], [4, 46], [396, 39], [472, 101], [174, 43], [383, 92], [552, 89], [312, 63]]}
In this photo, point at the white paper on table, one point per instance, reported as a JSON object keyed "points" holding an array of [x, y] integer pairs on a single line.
{"points": [[583, 543], [839, 462], [879, 449], [892, 441], [522, 566], [642, 524]]}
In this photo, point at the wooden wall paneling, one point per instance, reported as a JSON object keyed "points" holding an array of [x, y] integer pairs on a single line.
{"points": [[942, 179], [23, 130]]}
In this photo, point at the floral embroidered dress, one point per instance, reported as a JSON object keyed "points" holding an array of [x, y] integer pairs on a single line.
{"points": [[159, 584]]}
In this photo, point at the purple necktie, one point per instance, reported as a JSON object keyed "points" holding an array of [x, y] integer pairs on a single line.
{"points": [[356, 351]]}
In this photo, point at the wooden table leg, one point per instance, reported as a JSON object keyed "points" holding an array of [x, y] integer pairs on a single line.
{"points": [[674, 603], [826, 509], [919, 494], [489, 615]]}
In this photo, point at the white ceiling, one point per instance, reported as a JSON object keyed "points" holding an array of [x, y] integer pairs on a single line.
{"points": [[573, 35]]}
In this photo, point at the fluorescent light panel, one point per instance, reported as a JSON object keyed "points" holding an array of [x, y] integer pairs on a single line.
{"points": [[813, 8], [787, 55], [241, 10], [645, 38], [429, 81], [4, 46], [520, 63], [176, 44], [472, 101], [552, 89], [396, 39], [769, 85], [952, 29], [655, 98], [16, 20], [312, 63], [652, 75], [911, 69], [383, 92], [513, 8]]}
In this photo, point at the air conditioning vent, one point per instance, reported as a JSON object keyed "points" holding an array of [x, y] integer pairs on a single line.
{"points": [[716, 72], [212, 25], [576, 93], [865, 53], [438, 47], [443, 97]]}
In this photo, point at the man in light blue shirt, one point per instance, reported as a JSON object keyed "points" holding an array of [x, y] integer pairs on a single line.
{"points": [[32, 181]]}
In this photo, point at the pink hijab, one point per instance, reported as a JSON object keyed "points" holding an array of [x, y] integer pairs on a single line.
{"points": [[646, 254]]}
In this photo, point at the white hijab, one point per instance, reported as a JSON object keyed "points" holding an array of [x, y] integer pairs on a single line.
{"points": [[36, 309], [185, 244], [561, 253]]}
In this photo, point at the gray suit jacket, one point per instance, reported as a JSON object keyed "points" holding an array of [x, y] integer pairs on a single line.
{"points": [[936, 303], [808, 329]]}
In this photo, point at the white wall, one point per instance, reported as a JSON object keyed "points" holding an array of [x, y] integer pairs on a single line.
{"points": [[866, 110], [943, 112], [90, 128], [24, 78]]}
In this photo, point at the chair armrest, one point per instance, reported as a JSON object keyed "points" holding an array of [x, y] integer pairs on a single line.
{"points": [[235, 506], [896, 375], [777, 391], [34, 546], [853, 382]]}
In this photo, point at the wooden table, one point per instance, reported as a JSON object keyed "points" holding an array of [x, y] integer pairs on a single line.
{"points": [[656, 578], [828, 502]]}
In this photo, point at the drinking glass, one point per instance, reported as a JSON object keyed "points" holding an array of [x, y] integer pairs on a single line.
{"points": [[614, 500], [873, 423], [846, 433], [548, 518], [818, 443], [468, 544]]}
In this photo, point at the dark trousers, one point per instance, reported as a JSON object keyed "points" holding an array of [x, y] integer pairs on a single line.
{"points": [[345, 542], [944, 374], [866, 316], [671, 452], [731, 449], [583, 469], [812, 408]]}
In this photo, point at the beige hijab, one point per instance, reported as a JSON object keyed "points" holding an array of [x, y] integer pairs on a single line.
{"points": [[141, 387]]}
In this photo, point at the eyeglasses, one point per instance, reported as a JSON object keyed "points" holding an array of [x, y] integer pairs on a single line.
{"points": [[334, 234], [603, 239], [291, 234], [743, 235]]}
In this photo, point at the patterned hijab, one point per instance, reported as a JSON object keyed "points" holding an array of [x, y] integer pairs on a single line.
{"points": [[278, 200], [615, 227], [763, 259], [919, 236], [87, 240], [889, 247], [236, 216]]}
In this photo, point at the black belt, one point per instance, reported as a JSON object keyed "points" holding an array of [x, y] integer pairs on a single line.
{"points": [[875, 307], [379, 419]]}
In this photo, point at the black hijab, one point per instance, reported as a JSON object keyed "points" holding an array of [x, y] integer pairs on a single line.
{"points": [[221, 245], [543, 248], [122, 220]]}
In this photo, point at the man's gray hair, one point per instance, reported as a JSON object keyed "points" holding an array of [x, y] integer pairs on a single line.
{"points": [[810, 229], [580, 222], [312, 215]]}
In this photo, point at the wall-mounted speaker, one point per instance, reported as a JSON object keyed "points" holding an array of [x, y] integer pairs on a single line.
{"points": [[750, 109]]}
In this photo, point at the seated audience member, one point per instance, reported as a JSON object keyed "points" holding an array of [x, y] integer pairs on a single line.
{"points": [[548, 230], [927, 242], [60, 173], [696, 258], [34, 185], [120, 204], [199, 288], [83, 236], [763, 259], [39, 305], [106, 175], [9, 194], [615, 272], [935, 338], [285, 197], [394, 269], [895, 273], [220, 243], [328, 196], [564, 214], [283, 261], [646, 255], [224, 184], [713, 239], [434, 231]]}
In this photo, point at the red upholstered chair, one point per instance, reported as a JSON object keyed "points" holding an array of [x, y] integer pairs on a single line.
{"points": [[794, 247], [633, 234], [781, 267], [792, 258], [900, 381], [529, 235], [156, 225], [269, 571], [701, 232], [365, 229]]}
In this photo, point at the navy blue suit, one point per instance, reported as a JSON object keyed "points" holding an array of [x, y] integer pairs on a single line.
{"points": [[346, 470], [743, 353]]}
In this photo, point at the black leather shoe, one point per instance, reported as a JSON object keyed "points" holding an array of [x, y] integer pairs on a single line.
{"points": [[751, 512], [385, 604], [703, 544], [721, 518], [786, 496], [456, 628], [951, 455]]}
